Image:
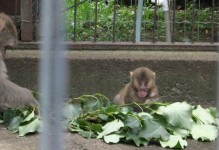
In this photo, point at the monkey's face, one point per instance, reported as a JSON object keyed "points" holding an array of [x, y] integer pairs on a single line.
{"points": [[142, 81]]}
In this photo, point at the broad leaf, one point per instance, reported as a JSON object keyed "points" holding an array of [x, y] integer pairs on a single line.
{"points": [[175, 141], [181, 132], [132, 121], [203, 115], [8, 115], [111, 127], [86, 134], [29, 116], [29, 128], [14, 124], [153, 130], [178, 114], [204, 132], [133, 134], [72, 110], [112, 138], [105, 101], [91, 103]]}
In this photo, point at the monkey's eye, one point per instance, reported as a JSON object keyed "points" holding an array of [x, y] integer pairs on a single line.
{"points": [[142, 89]]}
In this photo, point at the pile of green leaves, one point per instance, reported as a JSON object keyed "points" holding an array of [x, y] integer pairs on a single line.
{"points": [[21, 121], [94, 116]]}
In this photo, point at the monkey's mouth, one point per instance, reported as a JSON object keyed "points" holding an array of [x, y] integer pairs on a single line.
{"points": [[142, 92]]}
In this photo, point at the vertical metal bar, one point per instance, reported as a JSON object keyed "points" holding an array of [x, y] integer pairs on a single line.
{"points": [[184, 22], [75, 21], [193, 20], [198, 23], [134, 38], [212, 22], [138, 21], [95, 26], [155, 22], [114, 20], [174, 22], [167, 22], [52, 75]]}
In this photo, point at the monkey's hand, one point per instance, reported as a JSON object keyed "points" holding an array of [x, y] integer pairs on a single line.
{"points": [[152, 100]]}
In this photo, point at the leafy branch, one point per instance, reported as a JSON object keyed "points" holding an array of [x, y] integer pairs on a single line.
{"points": [[94, 116]]}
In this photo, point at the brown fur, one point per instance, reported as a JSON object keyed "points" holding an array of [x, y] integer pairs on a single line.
{"points": [[129, 94], [11, 94], [8, 33]]}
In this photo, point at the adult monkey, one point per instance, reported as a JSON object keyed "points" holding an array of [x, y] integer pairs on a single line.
{"points": [[11, 94]]}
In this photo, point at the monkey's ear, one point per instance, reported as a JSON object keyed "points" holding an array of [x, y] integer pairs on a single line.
{"points": [[131, 73], [2, 24], [154, 74]]}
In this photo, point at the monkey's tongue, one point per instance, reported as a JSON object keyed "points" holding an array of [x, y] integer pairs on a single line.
{"points": [[142, 93]]}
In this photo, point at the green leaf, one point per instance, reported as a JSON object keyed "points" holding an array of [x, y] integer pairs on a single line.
{"points": [[111, 127], [86, 134], [132, 121], [106, 102], [126, 110], [153, 130], [14, 124], [111, 109], [29, 128], [203, 115], [112, 138], [91, 103], [204, 132], [181, 132], [8, 115], [72, 110], [175, 141], [178, 114], [29, 116], [103, 116], [133, 134]]}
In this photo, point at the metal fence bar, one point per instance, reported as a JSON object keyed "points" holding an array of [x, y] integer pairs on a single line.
{"points": [[114, 20], [135, 11], [174, 21], [75, 21], [193, 20], [138, 21], [52, 75], [167, 22], [212, 22], [95, 20], [155, 22]]}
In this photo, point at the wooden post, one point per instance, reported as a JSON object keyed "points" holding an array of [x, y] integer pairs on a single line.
{"points": [[26, 21]]}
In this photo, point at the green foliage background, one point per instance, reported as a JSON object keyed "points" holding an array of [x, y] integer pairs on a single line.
{"points": [[125, 17]]}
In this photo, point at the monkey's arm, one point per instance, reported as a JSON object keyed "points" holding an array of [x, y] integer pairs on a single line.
{"points": [[153, 97], [12, 95], [119, 99]]}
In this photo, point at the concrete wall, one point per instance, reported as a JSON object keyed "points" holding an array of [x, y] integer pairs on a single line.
{"points": [[189, 76]]}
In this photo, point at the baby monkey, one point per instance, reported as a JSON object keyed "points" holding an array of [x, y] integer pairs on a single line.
{"points": [[140, 89]]}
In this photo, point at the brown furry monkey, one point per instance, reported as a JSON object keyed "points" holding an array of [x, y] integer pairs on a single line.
{"points": [[11, 94], [140, 89]]}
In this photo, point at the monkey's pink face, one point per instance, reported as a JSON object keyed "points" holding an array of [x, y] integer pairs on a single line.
{"points": [[142, 81], [142, 91]]}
